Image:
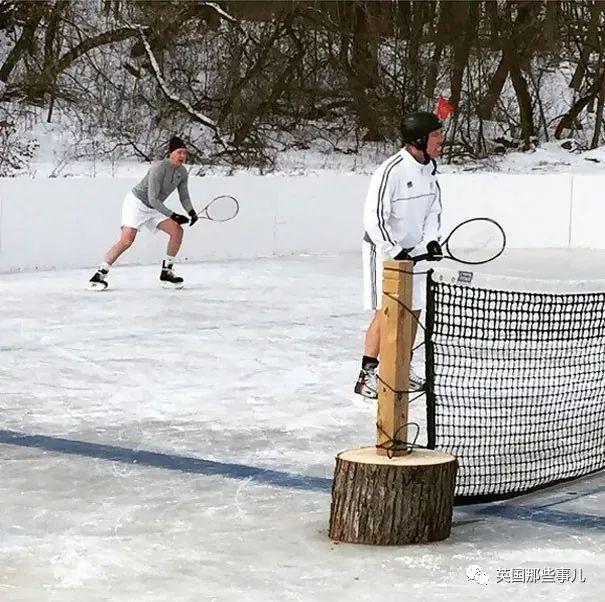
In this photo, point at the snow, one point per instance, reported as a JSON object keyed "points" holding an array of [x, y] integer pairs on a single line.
{"points": [[549, 157], [244, 372], [60, 154]]}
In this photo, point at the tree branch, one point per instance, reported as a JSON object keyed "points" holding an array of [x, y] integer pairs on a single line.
{"points": [[221, 12], [173, 98], [107, 37]]}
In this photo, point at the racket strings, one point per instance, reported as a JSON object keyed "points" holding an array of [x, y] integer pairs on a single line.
{"points": [[221, 209], [475, 241]]}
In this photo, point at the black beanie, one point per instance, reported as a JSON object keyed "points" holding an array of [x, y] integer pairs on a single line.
{"points": [[175, 143]]}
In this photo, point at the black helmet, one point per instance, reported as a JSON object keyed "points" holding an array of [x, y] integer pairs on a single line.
{"points": [[416, 127]]}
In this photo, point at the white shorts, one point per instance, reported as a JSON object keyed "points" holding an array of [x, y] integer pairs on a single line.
{"points": [[372, 279], [137, 215]]}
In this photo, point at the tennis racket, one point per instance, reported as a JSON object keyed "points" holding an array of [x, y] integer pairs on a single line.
{"points": [[220, 209], [472, 242]]}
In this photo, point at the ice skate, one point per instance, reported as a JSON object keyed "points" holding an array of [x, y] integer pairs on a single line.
{"points": [[99, 281], [168, 278], [367, 382], [416, 381]]}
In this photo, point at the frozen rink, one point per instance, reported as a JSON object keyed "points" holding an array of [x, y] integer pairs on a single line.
{"points": [[179, 446]]}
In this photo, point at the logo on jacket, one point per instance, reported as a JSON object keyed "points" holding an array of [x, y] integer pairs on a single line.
{"points": [[410, 184]]}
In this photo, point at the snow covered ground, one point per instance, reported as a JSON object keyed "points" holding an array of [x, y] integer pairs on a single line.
{"points": [[178, 445], [59, 154]]}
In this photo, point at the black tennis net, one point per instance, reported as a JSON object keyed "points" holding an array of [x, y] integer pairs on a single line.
{"points": [[515, 386]]}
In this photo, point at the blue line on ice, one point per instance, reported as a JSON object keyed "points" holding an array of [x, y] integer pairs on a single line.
{"points": [[167, 461], [555, 518], [539, 514]]}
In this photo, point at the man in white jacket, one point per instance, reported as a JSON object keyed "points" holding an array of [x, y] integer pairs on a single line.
{"points": [[402, 218]]}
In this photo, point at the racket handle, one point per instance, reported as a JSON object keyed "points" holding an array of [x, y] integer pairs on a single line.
{"points": [[403, 255], [423, 257], [427, 257]]}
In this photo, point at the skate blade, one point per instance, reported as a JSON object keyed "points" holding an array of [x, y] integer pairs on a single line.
{"points": [[96, 286], [366, 394], [169, 285]]}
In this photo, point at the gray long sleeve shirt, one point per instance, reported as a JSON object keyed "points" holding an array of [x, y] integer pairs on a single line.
{"points": [[159, 182]]}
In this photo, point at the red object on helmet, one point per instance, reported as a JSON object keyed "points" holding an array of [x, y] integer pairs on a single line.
{"points": [[444, 108]]}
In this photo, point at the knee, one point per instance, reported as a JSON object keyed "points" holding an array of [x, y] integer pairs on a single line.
{"points": [[127, 240], [178, 231]]}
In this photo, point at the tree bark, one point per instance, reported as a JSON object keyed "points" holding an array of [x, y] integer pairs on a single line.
{"points": [[522, 93], [489, 100], [517, 51], [516, 40], [50, 45], [498, 79], [568, 120], [52, 30], [552, 38], [599, 114], [107, 37], [590, 44], [462, 47], [363, 78], [413, 87], [397, 501], [23, 43], [442, 39]]}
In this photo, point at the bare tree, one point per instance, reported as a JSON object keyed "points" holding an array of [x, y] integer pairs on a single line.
{"points": [[243, 81]]}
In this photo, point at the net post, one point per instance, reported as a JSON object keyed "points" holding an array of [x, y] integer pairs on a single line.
{"points": [[388, 494], [395, 355]]}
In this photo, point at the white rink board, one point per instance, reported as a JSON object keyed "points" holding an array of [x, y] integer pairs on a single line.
{"points": [[68, 223], [588, 212], [533, 210]]}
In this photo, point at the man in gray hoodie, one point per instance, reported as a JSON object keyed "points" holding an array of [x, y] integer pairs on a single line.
{"points": [[144, 207]]}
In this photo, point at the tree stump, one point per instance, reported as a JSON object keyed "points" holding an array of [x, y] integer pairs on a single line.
{"points": [[392, 501]]}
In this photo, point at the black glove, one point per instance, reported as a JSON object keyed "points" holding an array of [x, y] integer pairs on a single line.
{"points": [[435, 251], [403, 255], [179, 219], [193, 216]]}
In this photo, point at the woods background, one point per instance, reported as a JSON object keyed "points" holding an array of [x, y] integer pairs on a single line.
{"points": [[244, 80]]}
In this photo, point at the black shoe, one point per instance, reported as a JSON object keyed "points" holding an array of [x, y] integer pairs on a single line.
{"points": [[98, 282], [168, 278]]}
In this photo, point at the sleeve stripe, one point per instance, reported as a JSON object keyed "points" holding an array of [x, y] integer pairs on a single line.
{"points": [[373, 273], [383, 185], [440, 206]]}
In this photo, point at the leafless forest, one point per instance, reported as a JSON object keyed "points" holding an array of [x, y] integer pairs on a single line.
{"points": [[245, 80]]}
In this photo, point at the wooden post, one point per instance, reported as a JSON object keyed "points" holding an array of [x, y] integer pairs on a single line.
{"points": [[395, 355], [386, 494]]}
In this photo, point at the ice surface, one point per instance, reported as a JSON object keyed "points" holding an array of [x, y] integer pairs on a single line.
{"points": [[249, 368]]}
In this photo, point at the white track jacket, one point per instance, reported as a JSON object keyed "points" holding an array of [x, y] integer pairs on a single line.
{"points": [[403, 205]]}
